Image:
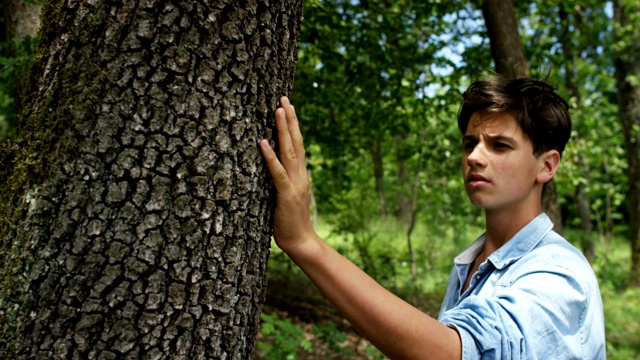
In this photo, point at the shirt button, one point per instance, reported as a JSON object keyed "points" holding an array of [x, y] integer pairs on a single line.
{"points": [[477, 277]]}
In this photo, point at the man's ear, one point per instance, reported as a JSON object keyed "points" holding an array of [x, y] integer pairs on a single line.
{"points": [[549, 162]]}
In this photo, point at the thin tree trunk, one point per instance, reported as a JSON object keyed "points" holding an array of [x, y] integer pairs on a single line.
{"points": [[582, 197], [609, 206], [378, 174], [312, 202], [506, 45], [584, 210], [551, 205], [135, 218], [414, 212], [403, 181], [627, 65]]}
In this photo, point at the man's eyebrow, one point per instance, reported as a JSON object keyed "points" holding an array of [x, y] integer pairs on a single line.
{"points": [[501, 138], [492, 138]]}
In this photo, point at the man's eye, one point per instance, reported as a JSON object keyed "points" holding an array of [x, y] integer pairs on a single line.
{"points": [[502, 145]]}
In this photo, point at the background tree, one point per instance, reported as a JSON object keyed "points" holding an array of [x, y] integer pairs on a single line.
{"points": [[506, 45], [627, 65], [570, 51], [134, 214]]}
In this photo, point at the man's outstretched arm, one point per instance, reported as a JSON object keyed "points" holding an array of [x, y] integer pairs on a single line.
{"points": [[395, 327]]}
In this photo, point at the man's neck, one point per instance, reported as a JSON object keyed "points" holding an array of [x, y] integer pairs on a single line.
{"points": [[501, 226]]}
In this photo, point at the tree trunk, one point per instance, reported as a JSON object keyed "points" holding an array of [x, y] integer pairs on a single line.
{"points": [[378, 174], [627, 65], [551, 205], [135, 216], [583, 203], [414, 212], [506, 45], [511, 62], [312, 202], [404, 213]]}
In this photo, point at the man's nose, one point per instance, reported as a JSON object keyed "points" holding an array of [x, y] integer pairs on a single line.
{"points": [[477, 157]]}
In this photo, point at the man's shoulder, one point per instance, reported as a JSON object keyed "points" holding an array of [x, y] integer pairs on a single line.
{"points": [[554, 254], [556, 248]]}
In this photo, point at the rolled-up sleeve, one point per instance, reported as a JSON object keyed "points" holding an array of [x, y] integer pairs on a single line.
{"points": [[528, 318]]}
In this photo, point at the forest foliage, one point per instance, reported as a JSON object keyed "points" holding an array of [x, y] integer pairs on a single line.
{"points": [[377, 89], [364, 94]]}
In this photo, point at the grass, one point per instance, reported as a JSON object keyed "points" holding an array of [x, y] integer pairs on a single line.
{"points": [[382, 251]]}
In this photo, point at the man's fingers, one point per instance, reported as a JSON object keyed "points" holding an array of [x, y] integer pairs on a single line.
{"points": [[290, 168], [294, 130], [288, 156], [278, 172]]}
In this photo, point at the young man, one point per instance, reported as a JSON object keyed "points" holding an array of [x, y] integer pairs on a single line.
{"points": [[518, 292]]}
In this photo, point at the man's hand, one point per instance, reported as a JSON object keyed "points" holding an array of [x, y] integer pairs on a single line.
{"points": [[292, 221]]}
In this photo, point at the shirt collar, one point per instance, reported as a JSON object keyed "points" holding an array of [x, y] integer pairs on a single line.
{"points": [[519, 245]]}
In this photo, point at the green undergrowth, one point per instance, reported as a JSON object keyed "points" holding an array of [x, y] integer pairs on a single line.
{"points": [[286, 338]]}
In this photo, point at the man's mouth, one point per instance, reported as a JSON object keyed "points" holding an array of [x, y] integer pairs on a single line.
{"points": [[476, 180]]}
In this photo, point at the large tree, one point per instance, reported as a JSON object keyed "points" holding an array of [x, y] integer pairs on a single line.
{"points": [[511, 61], [135, 211], [627, 63]]}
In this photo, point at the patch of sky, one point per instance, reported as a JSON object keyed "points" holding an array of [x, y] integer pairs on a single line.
{"points": [[464, 32], [383, 40], [451, 53], [608, 9], [431, 90]]}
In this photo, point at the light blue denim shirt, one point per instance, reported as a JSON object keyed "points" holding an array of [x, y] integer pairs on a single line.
{"points": [[536, 297]]}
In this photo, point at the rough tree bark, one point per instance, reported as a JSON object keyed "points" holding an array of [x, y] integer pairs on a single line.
{"points": [[627, 63], [510, 61], [135, 215]]}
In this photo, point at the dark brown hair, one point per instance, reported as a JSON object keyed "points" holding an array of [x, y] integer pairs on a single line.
{"points": [[542, 115]]}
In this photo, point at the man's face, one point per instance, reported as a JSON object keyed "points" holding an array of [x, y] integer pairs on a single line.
{"points": [[498, 164]]}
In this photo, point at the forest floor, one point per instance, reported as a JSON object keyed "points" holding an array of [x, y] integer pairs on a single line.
{"points": [[304, 306], [297, 300]]}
